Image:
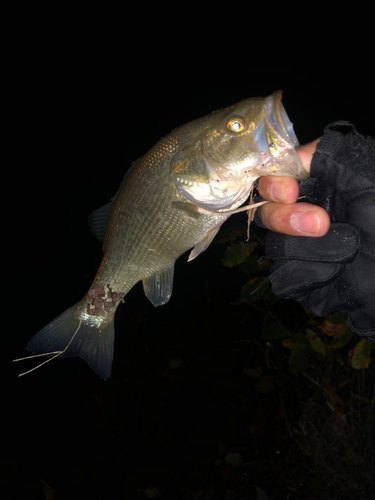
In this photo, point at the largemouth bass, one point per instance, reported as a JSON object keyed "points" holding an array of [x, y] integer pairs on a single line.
{"points": [[174, 198]]}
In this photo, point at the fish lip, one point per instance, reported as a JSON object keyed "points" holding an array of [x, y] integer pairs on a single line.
{"points": [[274, 153], [275, 122], [279, 117]]}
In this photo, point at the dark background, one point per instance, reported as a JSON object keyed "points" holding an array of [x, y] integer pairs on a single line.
{"points": [[153, 423]]}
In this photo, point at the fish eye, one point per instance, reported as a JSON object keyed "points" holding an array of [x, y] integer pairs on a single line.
{"points": [[235, 124]]}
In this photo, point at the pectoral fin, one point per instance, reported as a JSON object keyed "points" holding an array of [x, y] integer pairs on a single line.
{"points": [[188, 208], [204, 244], [158, 286]]}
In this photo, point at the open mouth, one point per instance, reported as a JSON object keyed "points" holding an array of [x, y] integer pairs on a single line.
{"points": [[277, 117], [205, 183], [277, 140]]}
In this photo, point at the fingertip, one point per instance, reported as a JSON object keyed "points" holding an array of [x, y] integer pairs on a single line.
{"points": [[300, 219], [325, 222], [306, 153], [278, 189], [309, 220]]}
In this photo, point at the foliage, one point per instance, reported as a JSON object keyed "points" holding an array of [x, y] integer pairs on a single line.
{"points": [[361, 354], [326, 384], [323, 338]]}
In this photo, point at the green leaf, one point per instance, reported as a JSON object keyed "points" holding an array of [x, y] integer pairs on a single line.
{"points": [[254, 289], [288, 343], [230, 233], [298, 360], [337, 319], [341, 338], [250, 265], [334, 326], [275, 331], [362, 357], [335, 356], [303, 343], [270, 297], [315, 342], [261, 494], [236, 254]]}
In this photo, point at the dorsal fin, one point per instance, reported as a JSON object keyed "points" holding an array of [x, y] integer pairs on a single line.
{"points": [[98, 221], [98, 218]]}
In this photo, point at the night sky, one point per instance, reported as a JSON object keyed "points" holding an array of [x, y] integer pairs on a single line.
{"points": [[64, 409]]}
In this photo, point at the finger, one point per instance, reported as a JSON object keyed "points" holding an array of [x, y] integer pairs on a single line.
{"points": [[298, 219], [285, 189], [281, 189], [306, 152]]}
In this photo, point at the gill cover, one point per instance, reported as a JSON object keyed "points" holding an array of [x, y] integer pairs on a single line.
{"points": [[205, 186]]}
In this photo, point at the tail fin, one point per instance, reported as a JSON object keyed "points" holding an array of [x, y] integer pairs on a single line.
{"points": [[75, 334]]}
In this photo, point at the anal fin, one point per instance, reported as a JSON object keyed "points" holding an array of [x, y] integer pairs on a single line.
{"points": [[158, 287]]}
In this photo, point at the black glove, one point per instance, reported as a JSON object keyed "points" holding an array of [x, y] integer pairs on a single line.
{"points": [[337, 271]]}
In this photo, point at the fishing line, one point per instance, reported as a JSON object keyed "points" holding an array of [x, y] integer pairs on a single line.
{"points": [[231, 212], [57, 354], [237, 210]]}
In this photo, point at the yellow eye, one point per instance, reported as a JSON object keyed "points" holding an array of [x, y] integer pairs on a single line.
{"points": [[235, 124]]}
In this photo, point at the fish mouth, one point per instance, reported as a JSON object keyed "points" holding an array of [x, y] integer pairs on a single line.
{"points": [[267, 148], [214, 195], [277, 140], [277, 115]]}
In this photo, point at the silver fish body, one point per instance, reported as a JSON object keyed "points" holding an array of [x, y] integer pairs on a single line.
{"points": [[209, 163]]}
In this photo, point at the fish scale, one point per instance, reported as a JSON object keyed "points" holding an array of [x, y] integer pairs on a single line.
{"points": [[143, 250], [174, 198]]}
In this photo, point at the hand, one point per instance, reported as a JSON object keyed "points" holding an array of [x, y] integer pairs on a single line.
{"points": [[287, 216], [335, 271]]}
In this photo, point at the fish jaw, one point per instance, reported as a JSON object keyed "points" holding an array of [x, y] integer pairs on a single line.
{"points": [[198, 182], [277, 141], [217, 170]]}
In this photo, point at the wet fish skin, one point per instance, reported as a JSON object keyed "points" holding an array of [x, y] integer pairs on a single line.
{"points": [[210, 163]]}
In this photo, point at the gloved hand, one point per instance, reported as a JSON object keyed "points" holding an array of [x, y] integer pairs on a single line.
{"points": [[335, 272]]}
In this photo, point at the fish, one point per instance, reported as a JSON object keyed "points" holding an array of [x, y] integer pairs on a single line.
{"points": [[173, 199]]}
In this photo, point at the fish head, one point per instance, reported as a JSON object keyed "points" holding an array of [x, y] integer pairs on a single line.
{"points": [[225, 152]]}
